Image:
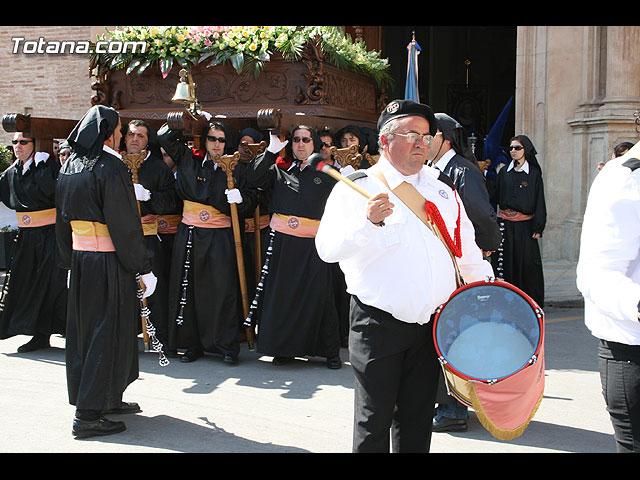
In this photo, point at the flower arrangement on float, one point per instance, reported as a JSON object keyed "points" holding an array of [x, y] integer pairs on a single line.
{"points": [[247, 48]]}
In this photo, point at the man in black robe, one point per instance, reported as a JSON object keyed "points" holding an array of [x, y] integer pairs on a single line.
{"points": [[204, 304], [156, 194], [100, 240], [451, 154], [33, 300]]}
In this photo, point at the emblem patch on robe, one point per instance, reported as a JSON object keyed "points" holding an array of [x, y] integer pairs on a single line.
{"points": [[444, 194], [317, 180], [26, 219], [204, 215], [293, 223]]}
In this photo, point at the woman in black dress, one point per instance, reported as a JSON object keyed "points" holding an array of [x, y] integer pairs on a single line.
{"points": [[522, 214], [299, 315]]}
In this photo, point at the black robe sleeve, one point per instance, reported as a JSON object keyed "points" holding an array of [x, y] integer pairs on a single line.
{"points": [[120, 210], [156, 176]]}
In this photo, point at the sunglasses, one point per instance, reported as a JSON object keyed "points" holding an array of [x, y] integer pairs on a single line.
{"points": [[21, 142], [515, 147], [303, 139], [216, 139]]}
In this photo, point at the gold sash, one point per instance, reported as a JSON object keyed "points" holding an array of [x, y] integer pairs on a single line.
{"points": [[36, 219], [91, 236]]}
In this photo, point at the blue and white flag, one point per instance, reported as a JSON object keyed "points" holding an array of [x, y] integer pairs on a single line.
{"points": [[411, 86]]}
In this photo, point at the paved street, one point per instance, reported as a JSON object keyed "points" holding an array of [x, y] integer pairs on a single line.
{"points": [[209, 406]]}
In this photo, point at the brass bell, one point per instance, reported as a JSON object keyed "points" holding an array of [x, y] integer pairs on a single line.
{"points": [[184, 91]]}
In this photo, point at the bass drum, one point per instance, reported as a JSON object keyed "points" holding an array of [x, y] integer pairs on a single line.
{"points": [[488, 334]]}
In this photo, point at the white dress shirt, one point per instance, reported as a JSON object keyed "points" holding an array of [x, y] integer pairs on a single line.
{"points": [[402, 267], [608, 271], [442, 163]]}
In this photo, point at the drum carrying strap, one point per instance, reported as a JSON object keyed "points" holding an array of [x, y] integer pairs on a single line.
{"points": [[416, 202]]}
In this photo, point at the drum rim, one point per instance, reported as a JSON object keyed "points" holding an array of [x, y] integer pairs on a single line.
{"points": [[537, 310]]}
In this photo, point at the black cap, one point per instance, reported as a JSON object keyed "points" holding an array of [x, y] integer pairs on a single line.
{"points": [[406, 108]]}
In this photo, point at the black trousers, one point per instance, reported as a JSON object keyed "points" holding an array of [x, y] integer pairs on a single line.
{"points": [[396, 380], [620, 377]]}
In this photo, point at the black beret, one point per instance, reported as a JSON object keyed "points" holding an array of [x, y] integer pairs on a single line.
{"points": [[406, 108]]}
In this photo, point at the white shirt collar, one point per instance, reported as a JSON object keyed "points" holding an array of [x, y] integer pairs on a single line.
{"points": [[394, 177], [26, 165], [444, 159], [111, 151], [206, 157], [524, 168]]}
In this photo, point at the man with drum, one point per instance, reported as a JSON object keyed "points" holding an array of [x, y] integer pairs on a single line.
{"points": [[398, 272], [608, 276]]}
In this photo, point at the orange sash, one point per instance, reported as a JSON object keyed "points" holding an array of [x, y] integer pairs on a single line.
{"points": [[149, 224], [296, 226], [36, 219], [90, 236], [206, 216], [249, 223], [512, 215], [168, 224]]}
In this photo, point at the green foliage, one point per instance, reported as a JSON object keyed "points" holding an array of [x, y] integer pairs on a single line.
{"points": [[5, 158], [246, 48]]}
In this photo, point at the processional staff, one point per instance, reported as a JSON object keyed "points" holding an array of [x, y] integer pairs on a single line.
{"points": [[134, 162], [256, 149], [228, 163]]}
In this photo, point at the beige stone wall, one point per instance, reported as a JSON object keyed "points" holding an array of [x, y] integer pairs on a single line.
{"points": [[44, 85], [577, 88]]}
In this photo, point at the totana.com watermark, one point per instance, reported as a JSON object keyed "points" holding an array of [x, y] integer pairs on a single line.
{"points": [[58, 47]]}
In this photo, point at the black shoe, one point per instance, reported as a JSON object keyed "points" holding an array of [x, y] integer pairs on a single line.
{"points": [[445, 424], [36, 343], [334, 363], [92, 428], [191, 356], [281, 360], [125, 408], [232, 359]]}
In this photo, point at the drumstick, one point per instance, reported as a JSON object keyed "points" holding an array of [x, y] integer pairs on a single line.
{"points": [[316, 162]]}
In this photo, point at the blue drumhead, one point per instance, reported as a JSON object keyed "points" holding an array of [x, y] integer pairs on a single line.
{"points": [[487, 331]]}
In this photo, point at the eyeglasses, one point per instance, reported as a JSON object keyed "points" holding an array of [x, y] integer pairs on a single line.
{"points": [[216, 139], [21, 142], [413, 137], [303, 139], [515, 147]]}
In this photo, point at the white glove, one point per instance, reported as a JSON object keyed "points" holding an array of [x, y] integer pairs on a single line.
{"points": [[207, 115], [40, 157], [348, 170], [150, 281], [275, 144], [233, 195], [142, 193]]}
